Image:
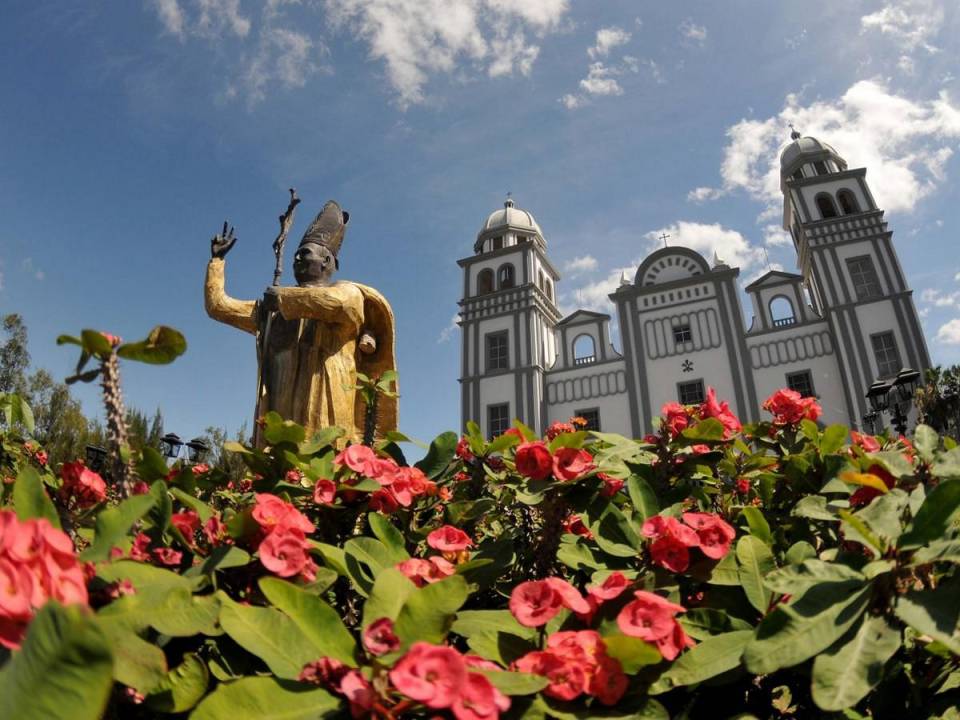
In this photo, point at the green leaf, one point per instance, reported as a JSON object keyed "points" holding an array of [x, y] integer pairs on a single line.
{"points": [[270, 635], [181, 688], [633, 653], [833, 439], [800, 551], [709, 658], [934, 612], [222, 557], [204, 511], [390, 591], [439, 455], [146, 579], [797, 579], [936, 515], [940, 551], [152, 466], [276, 430], [642, 497], [63, 671], [612, 530], [844, 675], [364, 558], [726, 572], [702, 623], [23, 414], [30, 500], [266, 698], [475, 622], [856, 530], [883, 514], [755, 561], [95, 343], [814, 507], [925, 441], [163, 345], [136, 662], [515, 683], [759, 527], [318, 622], [708, 430], [499, 647], [114, 523], [429, 611], [799, 630], [391, 538]]}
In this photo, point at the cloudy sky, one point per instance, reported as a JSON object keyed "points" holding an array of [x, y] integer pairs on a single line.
{"points": [[129, 131]]}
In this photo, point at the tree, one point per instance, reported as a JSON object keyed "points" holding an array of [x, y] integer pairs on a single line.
{"points": [[938, 401], [14, 357], [230, 463], [61, 427]]}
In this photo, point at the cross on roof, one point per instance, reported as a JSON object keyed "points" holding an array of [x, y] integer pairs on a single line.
{"points": [[664, 237]]}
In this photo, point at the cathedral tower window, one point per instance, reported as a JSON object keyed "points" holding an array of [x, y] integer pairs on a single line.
{"points": [[498, 242], [485, 282], [498, 419], [548, 289], [826, 206], [584, 350], [886, 353], [801, 382], [781, 312], [542, 281], [682, 334], [848, 202], [691, 393], [498, 351], [821, 167], [866, 284], [505, 277], [592, 416]]}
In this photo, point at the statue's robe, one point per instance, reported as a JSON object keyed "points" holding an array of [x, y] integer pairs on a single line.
{"points": [[308, 351]]}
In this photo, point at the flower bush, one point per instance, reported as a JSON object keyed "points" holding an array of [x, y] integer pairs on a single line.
{"points": [[713, 569]]}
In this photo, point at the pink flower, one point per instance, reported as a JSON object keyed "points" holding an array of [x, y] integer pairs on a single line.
{"points": [[789, 408], [358, 692], [868, 442], [326, 671], [714, 533], [533, 460], [573, 524], [167, 556], [284, 551], [609, 682], [479, 700], [449, 539], [559, 428], [361, 459], [423, 572], [611, 485], [721, 411], [324, 491], [270, 511], [534, 603], [200, 469], [676, 418], [431, 674], [658, 526], [570, 463], [652, 619], [612, 587], [215, 531], [668, 552], [570, 597], [82, 484], [567, 679], [187, 522], [463, 450], [379, 638]]}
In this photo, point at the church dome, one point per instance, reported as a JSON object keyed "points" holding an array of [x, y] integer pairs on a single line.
{"points": [[510, 217], [807, 149]]}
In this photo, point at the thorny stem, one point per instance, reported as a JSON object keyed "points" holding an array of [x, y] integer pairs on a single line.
{"points": [[553, 510], [116, 417], [370, 418]]}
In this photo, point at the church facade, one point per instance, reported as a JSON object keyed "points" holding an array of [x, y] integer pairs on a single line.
{"points": [[845, 320]]}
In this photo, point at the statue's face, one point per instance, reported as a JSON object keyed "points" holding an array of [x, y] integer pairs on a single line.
{"points": [[313, 265]]}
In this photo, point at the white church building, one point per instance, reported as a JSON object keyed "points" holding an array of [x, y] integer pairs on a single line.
{"points": [[846, 320]]}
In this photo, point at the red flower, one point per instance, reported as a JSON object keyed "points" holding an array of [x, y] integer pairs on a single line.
{"points": [[559, 428], [611, 485], [658, 526], [789, 408], [533, 460], [743, 485], [449, 539], [570, 463], [284, 551], [573, 524], [868, 442], [423, 572], [358, 692], [721, 411], [379, 638], [570, 597], [609, 682], [676, 418], [567, 679], [479, 699], [670, 553], [167, 556], [714, 533], [612, 587], [215, 531], [463, 450], [200, 469], [534, 603], [187, 522], [82, 484], [324, 491], [270, 511], [652, 619], [431, 674], [864, 495], [361, 459]]}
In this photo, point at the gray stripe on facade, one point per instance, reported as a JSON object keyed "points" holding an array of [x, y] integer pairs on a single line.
{"points": [[731, 351], [859, 387], [806, 208], [882, 261], [846, 378], [872, 204], [752, 406], [801, 313], [526, 268], [602, 350], [905, 333], [641, 363], [841, 276], [563, 346], [895, 261], [819, 262], [478, 412], [765, 318], [914, 321], [629, 351], [464, 404], [517, 380]]}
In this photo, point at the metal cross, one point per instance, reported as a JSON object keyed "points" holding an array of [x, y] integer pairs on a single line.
{"points": [[664, 237]]}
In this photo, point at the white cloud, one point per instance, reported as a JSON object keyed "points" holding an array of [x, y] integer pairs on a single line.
{"points": [[282, 57], [28, 267], [607, 39], [949, 332], [905, 144], [416, 38], [572, 102], [692, 31], [911, 23], [776, 236], [957, 277], [938, 298], [585, 263], [701, 194], [600, 80], [171, 16], [707, 239], [446, 335], [217, 16], [594, 296]]}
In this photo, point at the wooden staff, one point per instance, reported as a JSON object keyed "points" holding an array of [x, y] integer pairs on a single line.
{"points": [[286, 220]]}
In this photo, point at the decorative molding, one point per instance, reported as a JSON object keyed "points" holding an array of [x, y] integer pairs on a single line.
{"points": [[704, 330], [792, 349], [586, 387]]}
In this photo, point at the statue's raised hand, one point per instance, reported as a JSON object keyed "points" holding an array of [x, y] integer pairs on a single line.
{"points": [[221, 243]]}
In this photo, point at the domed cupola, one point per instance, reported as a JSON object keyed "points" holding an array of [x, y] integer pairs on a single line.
{"points": [[808, 157], [506, 227]]}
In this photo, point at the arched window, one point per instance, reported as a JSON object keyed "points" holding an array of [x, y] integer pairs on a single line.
{"points": [[548, 289], [781, 312], [541, 281], [848, 202], [505, 277], [826, 206], [584, 350], [485, 282]]}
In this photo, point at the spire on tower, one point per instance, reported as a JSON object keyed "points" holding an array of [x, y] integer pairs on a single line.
{"points": [[794, 133], [509, 201]]}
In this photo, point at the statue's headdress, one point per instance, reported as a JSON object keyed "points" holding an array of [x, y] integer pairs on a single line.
{"points": [[327, 229]]}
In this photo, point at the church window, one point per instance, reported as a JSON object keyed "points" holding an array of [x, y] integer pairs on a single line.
{"points": [[505, 277], [498, 352], [848, 202], [798, 174], [541, 281], [826, 206], [682, 334], [498, 242], [821, 167], [866, 284], [584, 350], [886, 353], [498, 419], [781, 312], [801, 382], [691, 393], [549, 289], [485, 282], [592, 416]]}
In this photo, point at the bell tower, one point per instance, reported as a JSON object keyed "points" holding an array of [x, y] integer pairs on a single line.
{"points": [[850, 268], [507, 318]]}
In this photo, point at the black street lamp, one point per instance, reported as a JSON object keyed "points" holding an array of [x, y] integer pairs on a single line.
{"points": [[95, 456], [197, 449], [170, 445], [895, 396]]}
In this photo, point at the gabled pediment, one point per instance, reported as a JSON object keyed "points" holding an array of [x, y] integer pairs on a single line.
{"points": [[774, 277], [579, 317]]}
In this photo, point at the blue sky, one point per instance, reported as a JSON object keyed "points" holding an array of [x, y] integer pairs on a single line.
{"points": [[129, 132]]}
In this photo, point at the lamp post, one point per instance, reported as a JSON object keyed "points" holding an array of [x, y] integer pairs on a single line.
{"points": [[170, 445], [895, 396], [197, 449]]}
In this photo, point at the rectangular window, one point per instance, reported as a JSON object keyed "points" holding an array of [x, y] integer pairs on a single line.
{"points": [[798, 174], [691, 393], [682, 334], [498, 419], [821, 167], [498, 242], [592, 416], [801, 382], [886, 353], [497, 351], [865, 282]]}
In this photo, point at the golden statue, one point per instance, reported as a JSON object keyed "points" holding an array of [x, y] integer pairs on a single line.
{"points": [[312, 339]]}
